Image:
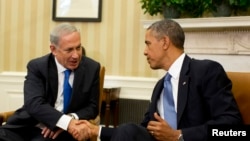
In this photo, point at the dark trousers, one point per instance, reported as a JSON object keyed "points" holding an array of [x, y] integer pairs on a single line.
{"points": [[29, 134], [131, 132]]}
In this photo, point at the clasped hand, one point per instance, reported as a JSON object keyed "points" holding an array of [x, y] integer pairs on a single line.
{"points": [[79, 129], [82, 130]]}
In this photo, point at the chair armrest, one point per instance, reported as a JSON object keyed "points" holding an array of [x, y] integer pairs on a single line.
{"points": [[95, 121], [4, 116], [1, 120]]}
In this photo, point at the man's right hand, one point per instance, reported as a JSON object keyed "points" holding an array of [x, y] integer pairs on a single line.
{"points": [[84, 130], [78, 131]]}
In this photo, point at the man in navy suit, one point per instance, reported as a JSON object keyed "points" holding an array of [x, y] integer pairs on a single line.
{"points": [[201, 92], [42, 117]]}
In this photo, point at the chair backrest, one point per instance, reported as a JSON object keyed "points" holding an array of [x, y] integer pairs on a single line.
{"points": [[102, 77], [241, 92]]}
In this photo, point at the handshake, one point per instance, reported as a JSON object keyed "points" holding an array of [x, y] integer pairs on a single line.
{"points": [[82, 129]]}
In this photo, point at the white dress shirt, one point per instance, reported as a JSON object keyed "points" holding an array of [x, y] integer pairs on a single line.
{"points": [[174, 71], [63, 122]]}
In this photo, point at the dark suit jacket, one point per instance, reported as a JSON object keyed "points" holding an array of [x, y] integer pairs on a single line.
{"points": [[204, 98], [40, 93]]}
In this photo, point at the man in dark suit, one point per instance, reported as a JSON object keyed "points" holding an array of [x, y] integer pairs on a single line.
{"points": [[201, 93], [43, 115]]}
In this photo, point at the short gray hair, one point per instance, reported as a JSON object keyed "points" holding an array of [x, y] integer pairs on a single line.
{"points": [[170, 28], [61, 30]]}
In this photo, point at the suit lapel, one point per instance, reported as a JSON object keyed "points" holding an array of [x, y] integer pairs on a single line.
{"points": [[183, 88], [79, 74], [182, 96], [52, 79], [156, 97], [78, 81]]}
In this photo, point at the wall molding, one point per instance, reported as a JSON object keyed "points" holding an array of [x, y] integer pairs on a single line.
{"points": [[208, 23], [11, 88], [220, 35]]}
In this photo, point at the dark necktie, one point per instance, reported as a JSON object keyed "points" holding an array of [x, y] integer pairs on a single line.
{"points": [[66, 90], [168, 103]]}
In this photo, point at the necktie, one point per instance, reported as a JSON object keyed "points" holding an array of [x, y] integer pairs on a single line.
{"points": [[168, 103], [66, 90]]}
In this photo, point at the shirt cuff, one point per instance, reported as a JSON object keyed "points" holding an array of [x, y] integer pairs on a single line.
{"points": [[63, 122], [99, 133]]}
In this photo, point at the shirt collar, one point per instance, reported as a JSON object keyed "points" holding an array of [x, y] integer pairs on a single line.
{"points": [[60, 68], [175, 68]]}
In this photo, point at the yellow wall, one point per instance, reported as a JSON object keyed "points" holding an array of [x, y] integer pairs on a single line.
{"points": [[117, 41]]}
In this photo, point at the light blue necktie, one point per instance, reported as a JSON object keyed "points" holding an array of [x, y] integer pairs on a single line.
{"points": [[66, 90], [168, 103]]}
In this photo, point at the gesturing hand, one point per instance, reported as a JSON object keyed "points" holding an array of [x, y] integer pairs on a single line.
{"points": [[161, 130]]}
